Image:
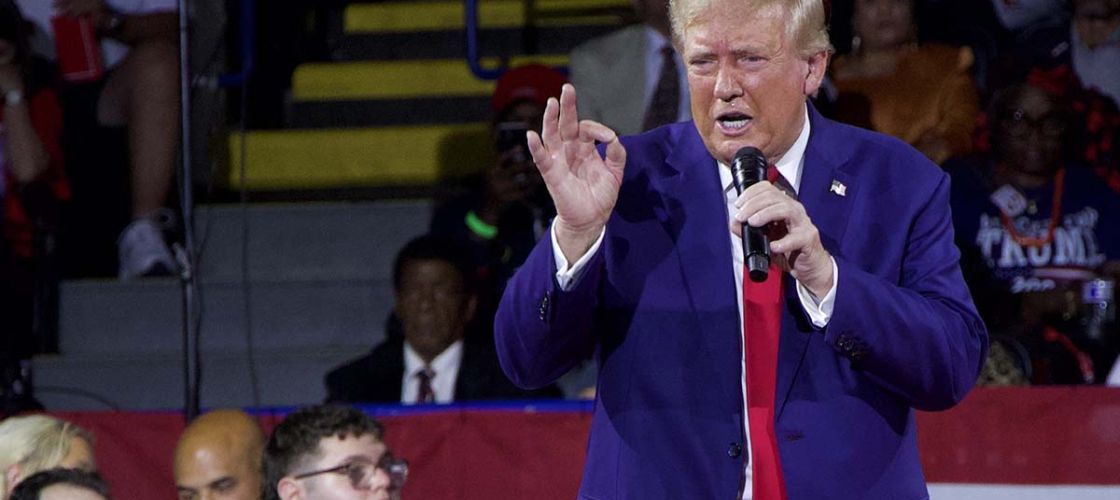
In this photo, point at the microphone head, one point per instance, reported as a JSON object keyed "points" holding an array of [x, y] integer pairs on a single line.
{"points": [[750, 152], [748, 167], [758, 266]]}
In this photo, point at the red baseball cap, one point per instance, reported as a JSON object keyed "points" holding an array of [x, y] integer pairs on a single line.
{"points": [[532, 82]]}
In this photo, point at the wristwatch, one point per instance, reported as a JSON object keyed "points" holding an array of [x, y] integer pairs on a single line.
{"points": [[13, 97]]}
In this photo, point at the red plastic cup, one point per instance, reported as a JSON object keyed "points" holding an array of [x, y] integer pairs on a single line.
{"points": [[79, 52]]}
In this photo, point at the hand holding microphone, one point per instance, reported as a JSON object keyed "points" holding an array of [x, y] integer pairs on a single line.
{"points": [[747, 169], [761, 204]]}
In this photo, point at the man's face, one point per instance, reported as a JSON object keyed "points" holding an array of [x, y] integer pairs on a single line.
{"points": [[747, 81], [1096, 20], [433, 305], [334, 452], [884, 24], [1032, 133], [209, 473]]}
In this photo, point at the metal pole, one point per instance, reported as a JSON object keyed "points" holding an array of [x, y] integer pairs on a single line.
{"points": [[187, 278]]}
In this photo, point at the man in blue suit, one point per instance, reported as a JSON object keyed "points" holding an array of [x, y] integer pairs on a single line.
{"points": [[644, 268]]}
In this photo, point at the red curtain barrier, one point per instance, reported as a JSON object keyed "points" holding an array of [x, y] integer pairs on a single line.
{"points": [[1035, 435], [1053, 435]]}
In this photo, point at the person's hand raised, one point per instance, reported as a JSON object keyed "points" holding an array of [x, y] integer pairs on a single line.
{"points": [[583, 185]]}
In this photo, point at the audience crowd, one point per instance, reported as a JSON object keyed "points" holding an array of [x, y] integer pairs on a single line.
{"points": [[1018, 101], [316, 452]]}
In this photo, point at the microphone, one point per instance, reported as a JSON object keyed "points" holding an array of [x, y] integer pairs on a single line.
{"points": [[749, 167]]}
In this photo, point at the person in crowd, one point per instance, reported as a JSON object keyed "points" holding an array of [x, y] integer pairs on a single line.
{"points": [[863, 315], [632, 79], [218, 457], [140, 91], [62, 484], [1095, 45], [335, 452], [1076, 57], [38, 442], [1036, 225], [436, 360], [922, 93], [1019, 15], [32, 182], [502, 218]]}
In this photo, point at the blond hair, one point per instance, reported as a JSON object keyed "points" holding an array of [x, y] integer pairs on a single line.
{"points": [[35, 443], [806, 25]]}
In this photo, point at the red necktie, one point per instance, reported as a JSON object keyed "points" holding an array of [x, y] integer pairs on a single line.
{"points": [[762, 323], [424, 393]]}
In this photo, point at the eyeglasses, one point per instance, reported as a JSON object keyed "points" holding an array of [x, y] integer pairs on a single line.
{"points": [[1019, 124], [361, 472]]}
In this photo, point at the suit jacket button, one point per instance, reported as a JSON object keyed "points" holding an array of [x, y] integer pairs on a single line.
{"points": [[734, 450]]}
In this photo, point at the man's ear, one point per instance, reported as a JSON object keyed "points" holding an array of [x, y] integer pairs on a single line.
{"points": [[289, 489], [818, 65], [471, 309]]}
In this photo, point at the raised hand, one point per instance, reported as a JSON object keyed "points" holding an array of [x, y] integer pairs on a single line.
{"points": [[795, 242], [583, 185]]}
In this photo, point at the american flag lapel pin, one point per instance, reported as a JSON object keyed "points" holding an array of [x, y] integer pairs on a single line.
{"points": [[838, 188]]}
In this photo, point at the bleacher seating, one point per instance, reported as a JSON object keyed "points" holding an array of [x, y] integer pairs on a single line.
{"points": [[396, 111]]}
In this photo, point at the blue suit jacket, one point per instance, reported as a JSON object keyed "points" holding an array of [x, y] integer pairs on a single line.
{"points": [[658, 305]]}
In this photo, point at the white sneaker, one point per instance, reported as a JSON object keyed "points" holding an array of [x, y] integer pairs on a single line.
{"points": [[143, 252]]}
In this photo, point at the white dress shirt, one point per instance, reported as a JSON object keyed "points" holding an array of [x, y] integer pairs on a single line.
{"points": [[446, 369], [819, 311]]}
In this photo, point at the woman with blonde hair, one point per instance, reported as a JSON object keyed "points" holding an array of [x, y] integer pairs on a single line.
{"points": [[37, 442]]}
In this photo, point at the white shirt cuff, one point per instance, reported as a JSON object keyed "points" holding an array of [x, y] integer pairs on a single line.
{"points": [[565, 277], [819, 311]]}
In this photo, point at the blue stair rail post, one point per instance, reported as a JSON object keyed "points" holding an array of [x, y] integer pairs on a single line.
{"points": [[248, 56], [474, 57]]}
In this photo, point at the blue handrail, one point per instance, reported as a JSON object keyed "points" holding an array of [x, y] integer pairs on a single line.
{"points": [[470, 16]]}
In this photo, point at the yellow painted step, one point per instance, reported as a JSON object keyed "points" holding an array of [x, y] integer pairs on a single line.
{"points": [[365, 157], [397, 17], [360, 80]]}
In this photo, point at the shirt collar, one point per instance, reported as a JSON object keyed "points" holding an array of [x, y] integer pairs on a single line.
{"points": [[446, 362]]}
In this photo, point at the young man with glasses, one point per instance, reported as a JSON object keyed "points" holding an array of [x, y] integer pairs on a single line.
{"points": [[331, 452]]}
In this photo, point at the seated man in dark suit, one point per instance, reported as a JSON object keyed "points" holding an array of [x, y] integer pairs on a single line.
{"points": [[436, 360]]}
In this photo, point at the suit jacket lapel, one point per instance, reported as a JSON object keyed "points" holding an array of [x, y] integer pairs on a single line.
{"points": [[695, 215], [827, 193]]}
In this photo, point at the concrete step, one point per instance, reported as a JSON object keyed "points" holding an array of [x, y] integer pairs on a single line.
{"points": [[155, 381], [450, 44], [403, 79], [403, 16], [103, 318], [307, 242], [389, 112], [401, 156], [319, 276]]}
